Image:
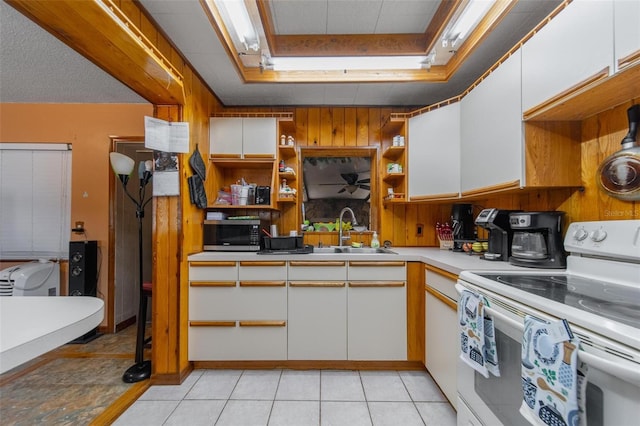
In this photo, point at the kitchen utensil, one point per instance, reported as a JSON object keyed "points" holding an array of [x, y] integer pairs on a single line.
{"points": [[529, 390], [619, 174], [545, 350], [573, 419], [542, 384], [565, 372], [550, 416], [526, 362], [476, 356]]}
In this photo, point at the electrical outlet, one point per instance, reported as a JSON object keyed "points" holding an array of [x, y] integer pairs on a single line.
{"points": [[419, 230]]}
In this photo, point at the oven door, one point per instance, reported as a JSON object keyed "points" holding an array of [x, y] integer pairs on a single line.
{"points": [[496, 400], [613, 384]]}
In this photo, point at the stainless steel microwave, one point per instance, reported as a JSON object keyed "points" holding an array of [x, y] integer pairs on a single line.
{"points": [[233, 234]]}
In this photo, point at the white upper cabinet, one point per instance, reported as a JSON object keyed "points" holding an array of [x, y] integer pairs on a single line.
{"points": [[491, 133], [575, 45], [627, 31], [434, 152], [243, 137]]}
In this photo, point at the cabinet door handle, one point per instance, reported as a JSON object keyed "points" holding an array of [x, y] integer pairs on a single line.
{"points": [[212, 283], [263, 283], [212, 323], [211, 264], [334, 284], [563, 96], [629, 59], [264, 263], [318, 263], [441, 297], [258, 156], [375, 264], [376, 283], [442, 272], [263, 323]]}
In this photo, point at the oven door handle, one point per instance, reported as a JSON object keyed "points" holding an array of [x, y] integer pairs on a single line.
{"points": [[621, 369], [495, 314]]}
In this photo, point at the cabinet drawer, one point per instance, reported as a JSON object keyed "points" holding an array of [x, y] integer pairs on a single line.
{"points": [[322, 270], [377, 270], [242, 340], [444, 284], [261, 271], [213, 271], [268, 301]]}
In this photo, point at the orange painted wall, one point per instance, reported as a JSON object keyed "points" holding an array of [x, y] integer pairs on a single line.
{"points": [[87, 127]]}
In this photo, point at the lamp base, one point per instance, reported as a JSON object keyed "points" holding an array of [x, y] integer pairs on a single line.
{"points": [[137, 372]]}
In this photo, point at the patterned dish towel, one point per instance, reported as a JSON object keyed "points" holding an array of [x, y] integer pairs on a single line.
{"points": [[477, 335], [551, 382]]}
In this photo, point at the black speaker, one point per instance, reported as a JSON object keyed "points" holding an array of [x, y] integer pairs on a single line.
{"points": [[83, 268]]}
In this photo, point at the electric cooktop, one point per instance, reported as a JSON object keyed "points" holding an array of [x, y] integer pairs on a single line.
{"points": [[613, 301]]}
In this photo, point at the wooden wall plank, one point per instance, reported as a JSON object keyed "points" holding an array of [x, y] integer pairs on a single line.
{"points": [[326, 127], [350, 127], [300, 118], [338, 137], [362, 126], [313, 129]]}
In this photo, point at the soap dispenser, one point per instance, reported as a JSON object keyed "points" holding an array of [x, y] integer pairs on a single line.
{"points": [[375, 242]]}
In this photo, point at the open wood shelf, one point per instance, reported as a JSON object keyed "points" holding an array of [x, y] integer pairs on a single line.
{"points": [[393, 152], [393, 178]]}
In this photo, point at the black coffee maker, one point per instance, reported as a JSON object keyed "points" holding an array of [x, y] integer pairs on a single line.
{"points": [[463, 226], [537, 239], [496, 221]]}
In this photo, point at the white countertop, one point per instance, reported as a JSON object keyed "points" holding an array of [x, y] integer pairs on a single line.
{"points": [[443, 259], [31, 326]]}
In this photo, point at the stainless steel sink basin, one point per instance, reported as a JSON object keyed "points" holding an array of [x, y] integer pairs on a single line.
{"points": [[352, 250]]}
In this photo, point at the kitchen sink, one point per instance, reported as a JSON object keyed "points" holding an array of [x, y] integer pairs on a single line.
{"points": [[352, 250]]}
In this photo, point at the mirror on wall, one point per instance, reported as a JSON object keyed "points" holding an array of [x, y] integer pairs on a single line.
{"points": [[336, 179]]}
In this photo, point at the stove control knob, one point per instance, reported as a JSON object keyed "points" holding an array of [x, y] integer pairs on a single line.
{"points": [[580, 234], [598, 235]]}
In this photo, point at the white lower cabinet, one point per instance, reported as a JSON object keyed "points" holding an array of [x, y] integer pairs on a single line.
{"points": [[297, 310], [317, 321], [237, 340], [377, 311], [317, 310], [441, 332], [237, 312]]}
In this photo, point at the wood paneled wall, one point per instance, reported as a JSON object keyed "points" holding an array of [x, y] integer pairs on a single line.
{"points": [[177, 224]]}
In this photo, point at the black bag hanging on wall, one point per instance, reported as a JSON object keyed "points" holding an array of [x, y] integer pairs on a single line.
{"points": [[197, 194]]}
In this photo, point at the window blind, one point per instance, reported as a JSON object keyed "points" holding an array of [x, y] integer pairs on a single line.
{"points": [[35, 200]]}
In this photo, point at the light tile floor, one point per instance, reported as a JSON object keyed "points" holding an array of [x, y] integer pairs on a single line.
{"points": [[293, 397]]}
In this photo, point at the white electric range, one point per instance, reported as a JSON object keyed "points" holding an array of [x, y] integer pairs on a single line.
{"points": [[598, 294]]}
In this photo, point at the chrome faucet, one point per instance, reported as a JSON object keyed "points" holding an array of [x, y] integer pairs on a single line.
{"points": [[353, 222]]}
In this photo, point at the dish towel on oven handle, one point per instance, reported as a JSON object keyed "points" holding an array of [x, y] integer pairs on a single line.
{"points": [[477, 335], [553, 387]]}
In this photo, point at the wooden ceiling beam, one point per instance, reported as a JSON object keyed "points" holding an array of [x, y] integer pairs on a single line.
{"points": [[356, 44], [99, 31], [349, 45], [435, 74]]}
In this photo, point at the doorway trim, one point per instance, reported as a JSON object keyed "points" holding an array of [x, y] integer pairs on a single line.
{"points": [[113, 182]]}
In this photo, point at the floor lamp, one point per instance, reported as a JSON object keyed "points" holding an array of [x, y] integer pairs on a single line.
{"points": [[123, 167]]}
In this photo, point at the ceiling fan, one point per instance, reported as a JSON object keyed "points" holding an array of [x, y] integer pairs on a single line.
{"points": [[352, 183]]}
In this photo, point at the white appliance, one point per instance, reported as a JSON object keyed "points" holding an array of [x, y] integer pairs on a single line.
{"points": [[39, 278], [598, 294]]}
